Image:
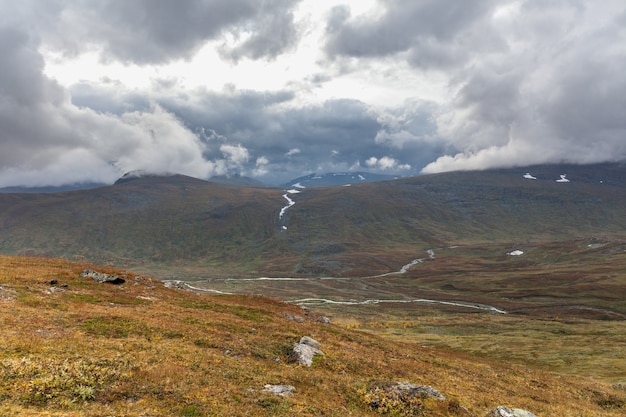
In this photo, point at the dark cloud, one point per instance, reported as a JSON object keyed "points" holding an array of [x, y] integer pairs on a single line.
{"points": [[157, 31], [518, 83], [434, 33], [273, 32], [20, 72], [333, 135], [47, 140], [339, 134]]}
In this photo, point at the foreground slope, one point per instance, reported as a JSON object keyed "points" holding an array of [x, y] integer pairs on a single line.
{"points": [[71, 346], [207, 229]]}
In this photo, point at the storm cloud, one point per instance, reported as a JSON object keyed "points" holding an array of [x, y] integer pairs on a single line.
{"points": [[281, 88]]}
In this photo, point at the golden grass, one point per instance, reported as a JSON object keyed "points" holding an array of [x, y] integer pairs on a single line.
{"points": [[92, 349]]}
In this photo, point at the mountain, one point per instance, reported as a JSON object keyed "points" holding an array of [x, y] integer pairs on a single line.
{"points": [[336, 178], [52, 189], [238, 180], [201, 226]]}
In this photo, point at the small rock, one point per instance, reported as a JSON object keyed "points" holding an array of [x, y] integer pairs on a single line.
{"points": [[294, 317], [7, 294], [282, 390], [324, 319], [503, 411]]}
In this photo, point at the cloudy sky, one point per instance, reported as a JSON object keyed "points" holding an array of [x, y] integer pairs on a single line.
{"points": [[275, 89]]}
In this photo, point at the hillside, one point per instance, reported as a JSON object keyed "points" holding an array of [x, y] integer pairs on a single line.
{"points": [[203, 228], [72, 346]]}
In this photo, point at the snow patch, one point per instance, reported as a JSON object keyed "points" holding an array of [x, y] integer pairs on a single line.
{"points": [[516, 253], [563, 178], [298, 185], [431, 253], [528, 176]]}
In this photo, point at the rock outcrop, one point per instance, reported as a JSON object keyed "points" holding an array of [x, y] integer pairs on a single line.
{"points": [[503, 411], [406, 390], [282, 390], [304, 351], [404, 398], [101, 277]]}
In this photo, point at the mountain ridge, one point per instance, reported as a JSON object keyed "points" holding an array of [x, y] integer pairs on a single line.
{"points": [[153, 220]]}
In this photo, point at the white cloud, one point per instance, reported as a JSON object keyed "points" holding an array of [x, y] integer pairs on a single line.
{"points": [[236, 154], [386, 163], [159, 142], [293, 151], [261, 167]]}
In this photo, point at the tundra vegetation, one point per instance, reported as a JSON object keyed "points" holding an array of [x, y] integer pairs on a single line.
{"points": [[489, 288], [72, 346]]}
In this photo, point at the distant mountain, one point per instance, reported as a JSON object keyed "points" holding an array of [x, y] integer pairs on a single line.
{"points": [[52, 189], [238, 180], [192, 226], [336, 178]]}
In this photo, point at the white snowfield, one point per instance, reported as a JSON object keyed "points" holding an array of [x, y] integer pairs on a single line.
{"points": [[528, 176], [563, 178], [516, 253]]}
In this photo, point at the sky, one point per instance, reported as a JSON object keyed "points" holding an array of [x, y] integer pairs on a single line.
{"points": [[277, 89]]}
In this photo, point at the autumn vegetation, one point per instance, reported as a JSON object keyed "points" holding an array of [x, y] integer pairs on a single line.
{"points": [[70, 346]]}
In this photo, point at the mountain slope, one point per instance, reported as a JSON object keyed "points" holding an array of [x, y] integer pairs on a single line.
{"points": [[71, 346], [204, 228]]}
